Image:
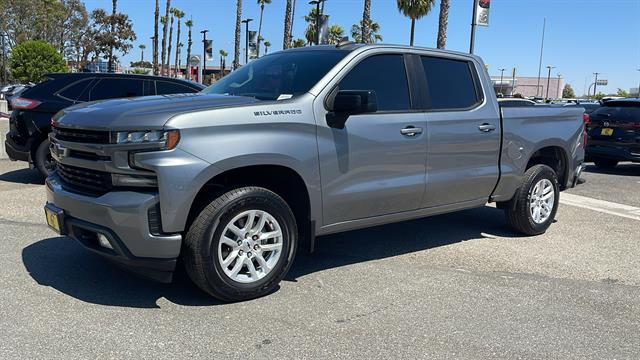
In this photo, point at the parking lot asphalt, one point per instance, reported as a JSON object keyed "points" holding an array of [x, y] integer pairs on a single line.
{"points": [[455, 286]]}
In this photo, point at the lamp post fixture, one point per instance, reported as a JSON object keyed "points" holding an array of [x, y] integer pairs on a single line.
{"points": [[501, 78], [548, 81], [246, 48], [318, 15], [204, 54]]}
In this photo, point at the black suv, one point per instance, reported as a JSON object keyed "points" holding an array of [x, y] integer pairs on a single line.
{"points": [[614, 133], [30, 121]]}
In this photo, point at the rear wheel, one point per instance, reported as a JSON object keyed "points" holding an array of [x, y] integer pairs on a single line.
{"points": [[534, 205], [605, 163], [241, 245], [43, 160]]}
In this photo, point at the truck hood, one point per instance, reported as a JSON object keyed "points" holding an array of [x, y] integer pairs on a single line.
{"points": [[149, 112]]}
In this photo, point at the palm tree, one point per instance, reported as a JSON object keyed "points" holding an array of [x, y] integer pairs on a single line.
{"points": [[373, 33], [310, 31], [442, 24], [155, 39], [288, 20], [266, 46], [179, 14], [113, 30], [298, 43], [189, 24], [164, 36], [142, 47], [262, 3], [336, 32], [173, 14], [223, 60], [236, 53], [366, 22], [414, 9]]}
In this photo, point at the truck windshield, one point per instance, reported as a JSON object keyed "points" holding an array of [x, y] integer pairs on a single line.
{"points": [[278, 76]]}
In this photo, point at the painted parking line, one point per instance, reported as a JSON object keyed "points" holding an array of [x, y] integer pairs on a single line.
{"points": [[607, 207]]}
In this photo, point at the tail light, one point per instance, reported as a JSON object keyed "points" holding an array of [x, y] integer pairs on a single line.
{"points": [[22, 103], [585, 121]]}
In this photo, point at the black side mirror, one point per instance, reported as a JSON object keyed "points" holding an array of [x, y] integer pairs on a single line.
{"points": [[350, 102]]}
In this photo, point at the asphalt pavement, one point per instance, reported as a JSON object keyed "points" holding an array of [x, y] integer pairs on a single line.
{"points": [[455, 286]]}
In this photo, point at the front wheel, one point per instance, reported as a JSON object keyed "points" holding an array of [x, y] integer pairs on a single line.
{"points": [[241, 245], [535, 203], [43, 160]]}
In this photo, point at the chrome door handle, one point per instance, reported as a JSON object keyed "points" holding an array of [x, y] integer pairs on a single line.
{"points": [[486, 127], [411, 131]]}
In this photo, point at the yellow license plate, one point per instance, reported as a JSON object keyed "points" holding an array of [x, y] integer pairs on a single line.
{"points": [[606, 131], [52, 220]]}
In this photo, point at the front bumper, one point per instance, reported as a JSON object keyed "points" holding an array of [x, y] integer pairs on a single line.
{"points": [[621, 153], [123, 218]]}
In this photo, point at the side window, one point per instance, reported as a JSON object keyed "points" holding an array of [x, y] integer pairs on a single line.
{"points": [[451, 84], [75, 90], [116, 88], [166, 88], [384, 74]]}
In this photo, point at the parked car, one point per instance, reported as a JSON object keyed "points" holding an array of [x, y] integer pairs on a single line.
{"points": [[300, 143], [14, 93], [614, 133], [30, 122], [515, 102]]}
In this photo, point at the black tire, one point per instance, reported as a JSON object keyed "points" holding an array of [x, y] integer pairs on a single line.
{"points": [[605, 163], [43, 160], [518, 212], [200, 249]]}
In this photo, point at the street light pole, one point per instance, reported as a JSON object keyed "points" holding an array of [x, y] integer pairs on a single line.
{"points": [[544, 26], [317, 4], [246, 47], [501, 78], [472, 40], [558, 89], [548, 80], [204, 54], [595, 84]]}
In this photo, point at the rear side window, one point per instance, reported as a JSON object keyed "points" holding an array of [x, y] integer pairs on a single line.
{"points": [[73, 91], [116, 88], [628, 113], [451, 83], [384, 74], [166, 88]]}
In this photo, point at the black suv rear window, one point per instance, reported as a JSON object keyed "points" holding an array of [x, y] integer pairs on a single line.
{"points": [[624, 112]]}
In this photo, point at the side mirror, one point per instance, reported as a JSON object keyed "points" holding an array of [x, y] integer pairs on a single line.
{"points": [[350, 102]]}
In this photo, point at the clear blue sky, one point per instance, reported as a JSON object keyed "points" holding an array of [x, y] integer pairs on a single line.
{"points": [[583, 36]]}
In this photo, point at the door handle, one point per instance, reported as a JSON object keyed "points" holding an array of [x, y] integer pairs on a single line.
{"points": [[486, 127], [411, 131]]}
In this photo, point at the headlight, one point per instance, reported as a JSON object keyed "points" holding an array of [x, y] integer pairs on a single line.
{"points": [[166, 139]]}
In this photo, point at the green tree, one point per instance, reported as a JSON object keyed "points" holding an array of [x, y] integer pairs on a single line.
{"points": [[373, 33], [179, 15], [267, 44], [365, 24], [165, 27], [298, 43], [156, 19], [262, 3], [32, 59], [112, 33], [189, 24], [310, 31], [336, 33], [567, 92], [599, 96], [622, 92], [414, 9], [170, 43], [236, 48], [443, 21], [141, 47], [288, 24], [223, 60], [142, 64]]}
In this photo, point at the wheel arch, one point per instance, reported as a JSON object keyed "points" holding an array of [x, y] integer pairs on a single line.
{"points": [[555, 157]]}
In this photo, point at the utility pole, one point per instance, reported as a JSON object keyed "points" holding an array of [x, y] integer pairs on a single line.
{"points": [[3, 75], [204, 54], [595, 84], [501, 78], [558, 96], [638, 87], [544, 26], [473, 26], [513, 81], [246, 47], [317, 3], [548, 80]]}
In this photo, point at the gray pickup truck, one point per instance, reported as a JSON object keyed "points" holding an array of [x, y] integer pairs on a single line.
{"points": [[297, 144]]}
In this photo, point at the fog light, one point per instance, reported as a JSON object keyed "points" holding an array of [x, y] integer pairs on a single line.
{"points": [[104, 242]]}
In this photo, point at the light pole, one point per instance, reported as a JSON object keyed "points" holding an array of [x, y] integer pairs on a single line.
{"points": [[246, 48], [317, 4], [595, 84], [204, 54], [4, 61], [638, 86], [548, 80], [472, 40], [558, 90], [501, 78]]}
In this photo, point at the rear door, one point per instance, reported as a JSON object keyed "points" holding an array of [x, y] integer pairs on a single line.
{"points": [[463, 133]]}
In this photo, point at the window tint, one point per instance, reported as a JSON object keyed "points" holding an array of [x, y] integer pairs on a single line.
{"points": [[384, 74], [450, 83], [166, 88], [116, 88], [623, 112], [73, 91]]}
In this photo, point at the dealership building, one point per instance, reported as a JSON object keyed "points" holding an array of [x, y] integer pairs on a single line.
{"points": [[528, 86]]}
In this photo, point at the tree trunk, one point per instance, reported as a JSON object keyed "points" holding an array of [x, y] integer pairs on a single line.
{"points": [[113, 31], [286, 40], [413, 27], [189, 55], [442, 25], [164, 37], [366, 22], [260, 30], [177, 48], [155, 40], [236, 53], [170, 47], [141, 57]]}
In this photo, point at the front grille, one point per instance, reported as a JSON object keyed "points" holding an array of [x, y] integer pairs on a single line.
{"points": [[84, 181], [82, 136]]}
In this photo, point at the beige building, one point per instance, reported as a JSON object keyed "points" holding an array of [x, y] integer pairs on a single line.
{"points": [[528, 86]]}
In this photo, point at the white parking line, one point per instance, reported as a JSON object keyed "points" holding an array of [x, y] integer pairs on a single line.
{"points": [[607, 207]]}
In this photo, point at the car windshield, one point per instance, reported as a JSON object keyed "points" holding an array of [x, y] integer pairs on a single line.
{"points": [[278, 76]]}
